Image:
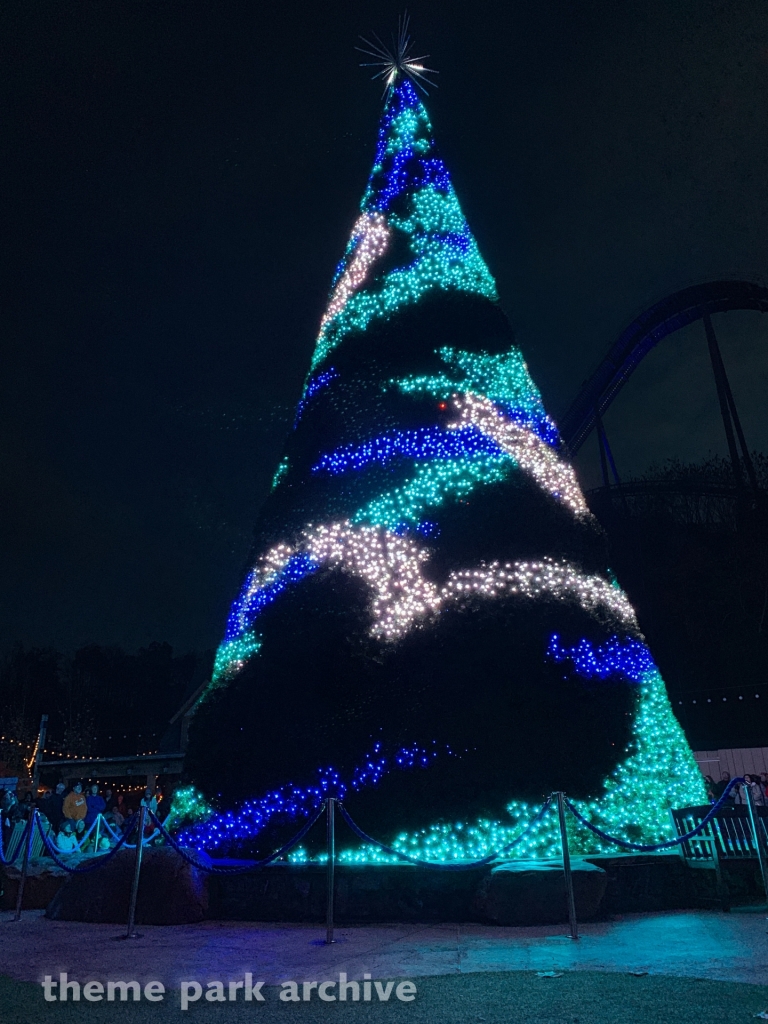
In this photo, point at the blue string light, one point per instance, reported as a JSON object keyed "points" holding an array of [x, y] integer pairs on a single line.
{"points": [[424, 443], [444, 253], [290, 802], [314, 384], [501, 377], [628, 658], [254, 599], [542, 426]]}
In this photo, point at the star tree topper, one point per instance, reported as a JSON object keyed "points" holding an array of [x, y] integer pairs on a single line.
{"points": [[397, 60]]}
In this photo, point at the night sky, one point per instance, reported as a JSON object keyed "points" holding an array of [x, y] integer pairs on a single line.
{"points": [[180, 180]]}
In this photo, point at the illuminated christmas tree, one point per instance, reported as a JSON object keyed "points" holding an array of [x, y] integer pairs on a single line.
{"points": [[428, 626]]}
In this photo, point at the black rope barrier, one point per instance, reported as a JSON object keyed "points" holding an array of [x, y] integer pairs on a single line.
{"points": [[115, 835], [240, 870], [97, 862], [444, 865], [650, 847], [184, 853]]}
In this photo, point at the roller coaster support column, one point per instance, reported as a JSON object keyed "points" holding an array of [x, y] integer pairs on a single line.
{"points": [[606, 455], [728, 411], [601, 440]]}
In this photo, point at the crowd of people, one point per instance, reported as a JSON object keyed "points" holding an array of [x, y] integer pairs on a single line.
{"points": [[758, 788], [72, 812]]}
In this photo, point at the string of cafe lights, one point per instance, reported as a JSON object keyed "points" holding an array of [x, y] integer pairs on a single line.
{"points": [[18, 743], [701, 701], [58, 753]]}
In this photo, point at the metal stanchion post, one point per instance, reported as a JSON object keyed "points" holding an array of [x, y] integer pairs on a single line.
{"points": [[25, 863], [330, 836], [130, 933], [567, 867], [96, 843], [759, 847]]}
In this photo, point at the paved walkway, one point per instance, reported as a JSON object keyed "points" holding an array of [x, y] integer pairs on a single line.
{"points": [[692, 944]]}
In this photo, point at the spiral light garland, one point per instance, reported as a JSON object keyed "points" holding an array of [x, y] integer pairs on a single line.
{"points": [[474, 420]]}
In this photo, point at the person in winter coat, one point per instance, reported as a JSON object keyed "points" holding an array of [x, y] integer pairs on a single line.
{"points": [[758, 797], [10, 808], [65, 840], [149, 800], [26, 806], [96, 805], [758, 793], [75, 806], [54, 807], [10, 813], [721, 786]]}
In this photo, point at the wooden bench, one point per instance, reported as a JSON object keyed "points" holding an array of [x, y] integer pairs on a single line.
{"points": [[13, 843], [14, 846], [727, 837]]}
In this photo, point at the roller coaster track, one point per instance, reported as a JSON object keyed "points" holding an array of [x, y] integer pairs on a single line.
{"points": [[642, 335]]}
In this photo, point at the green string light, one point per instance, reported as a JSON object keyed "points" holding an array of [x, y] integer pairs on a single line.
{"points": [[280, 472], [433, 483], [503, 378], [233, 654], [658, 772], [188, 807], [445, 253]]}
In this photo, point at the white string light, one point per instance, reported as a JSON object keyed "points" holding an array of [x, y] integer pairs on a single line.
{"points": [[392, 566], [370, 237], [533, 455]]}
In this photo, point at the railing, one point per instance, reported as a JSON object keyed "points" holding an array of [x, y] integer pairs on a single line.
{"points": [[731, 831], [717, 825]]}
